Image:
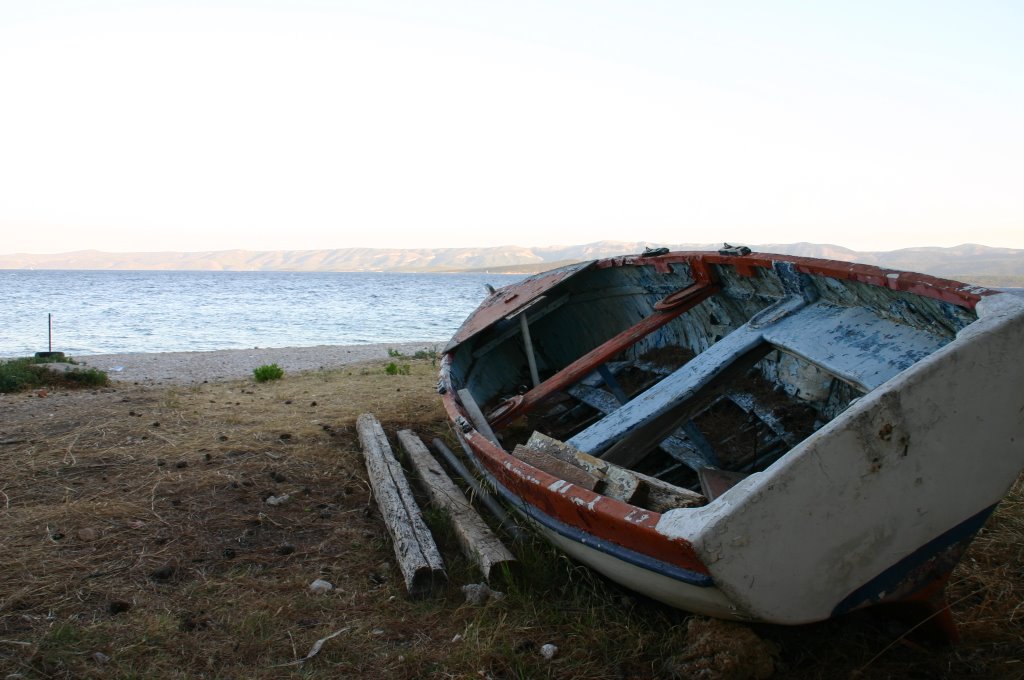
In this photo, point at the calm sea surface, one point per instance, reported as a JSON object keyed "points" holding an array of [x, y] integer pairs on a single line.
{"points": [[97, 312]]}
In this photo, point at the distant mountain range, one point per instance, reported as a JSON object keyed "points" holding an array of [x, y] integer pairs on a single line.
{"points": [[981, 264]]}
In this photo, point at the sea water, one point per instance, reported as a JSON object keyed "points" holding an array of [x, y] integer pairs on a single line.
{"points": [[98, 312]]}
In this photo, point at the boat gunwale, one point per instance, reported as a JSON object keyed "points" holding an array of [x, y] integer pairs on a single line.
{"points": [[945, 290]]}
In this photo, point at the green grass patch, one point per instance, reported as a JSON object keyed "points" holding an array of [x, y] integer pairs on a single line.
{"points": [[395, 369], [268, 372], [28, 373]]}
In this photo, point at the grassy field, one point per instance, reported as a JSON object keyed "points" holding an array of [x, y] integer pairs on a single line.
{"points": [[137, 542]]}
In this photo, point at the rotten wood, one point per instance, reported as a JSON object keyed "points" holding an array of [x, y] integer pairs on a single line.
{"points": [[662, 496], [417, 554], [477, 540], [557, 467], [617, 482], [749, 403]]}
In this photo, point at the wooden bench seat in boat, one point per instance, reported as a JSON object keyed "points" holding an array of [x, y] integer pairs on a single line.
{"points": [[851, 343], [745, 400], [679, 447]]}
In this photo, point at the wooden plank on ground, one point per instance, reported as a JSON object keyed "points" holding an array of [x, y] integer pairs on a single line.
{"points": [[479, 543], [417, 553]]}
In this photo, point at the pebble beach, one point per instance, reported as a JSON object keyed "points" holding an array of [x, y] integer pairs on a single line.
{"points": [[188, 368]]}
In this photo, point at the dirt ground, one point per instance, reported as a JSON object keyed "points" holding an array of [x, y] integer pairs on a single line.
{"points": [[138, 541]]}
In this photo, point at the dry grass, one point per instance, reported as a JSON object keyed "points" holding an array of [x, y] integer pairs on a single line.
{"points": [[133, 524]]}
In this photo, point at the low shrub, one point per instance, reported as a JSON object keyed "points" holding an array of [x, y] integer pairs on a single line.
{"points": [[268, 372], [26, 373], [395, 369], [86, 377], [16, 374]]}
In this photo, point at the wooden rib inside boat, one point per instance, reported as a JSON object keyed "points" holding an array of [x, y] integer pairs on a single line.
{"points": [[749, 436]]}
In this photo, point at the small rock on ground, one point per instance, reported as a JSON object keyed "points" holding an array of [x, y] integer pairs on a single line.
{"points": [[479, 593], [320, 586]]}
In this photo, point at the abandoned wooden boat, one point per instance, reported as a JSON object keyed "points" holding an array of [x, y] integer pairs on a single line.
{"points": [[746, 435]]}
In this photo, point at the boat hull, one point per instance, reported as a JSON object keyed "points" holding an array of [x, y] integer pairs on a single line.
{"points": [[876, 505]]}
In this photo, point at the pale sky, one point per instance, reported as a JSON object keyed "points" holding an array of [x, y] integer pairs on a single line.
{"points": [[145, 125]]}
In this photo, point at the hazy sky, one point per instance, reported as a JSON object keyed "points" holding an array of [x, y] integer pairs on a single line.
{"points": [[147, 125]]}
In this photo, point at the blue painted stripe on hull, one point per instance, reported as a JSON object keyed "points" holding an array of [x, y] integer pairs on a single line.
{"points": [[579, 536], [890, 579]]}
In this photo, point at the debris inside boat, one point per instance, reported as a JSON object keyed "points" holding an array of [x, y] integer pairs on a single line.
{"points": [[747, 435]]}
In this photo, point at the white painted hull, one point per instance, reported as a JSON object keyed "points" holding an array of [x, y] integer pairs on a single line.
{"points": [[920, 455], [708, 601]]}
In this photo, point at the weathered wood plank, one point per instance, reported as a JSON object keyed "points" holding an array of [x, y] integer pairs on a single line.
{"points": [[415, 549], [677, 445], [557, 467], [612, 384], [615, 482], [478, 542], [662, 496], [853, 343], [618, 482], [476, 416], [531, 359]]}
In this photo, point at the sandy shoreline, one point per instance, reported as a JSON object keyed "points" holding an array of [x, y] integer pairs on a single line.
{"points": [[186, 368]]}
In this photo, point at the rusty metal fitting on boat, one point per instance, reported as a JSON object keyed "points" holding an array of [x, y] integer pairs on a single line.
{"points": [[509, 405]]}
